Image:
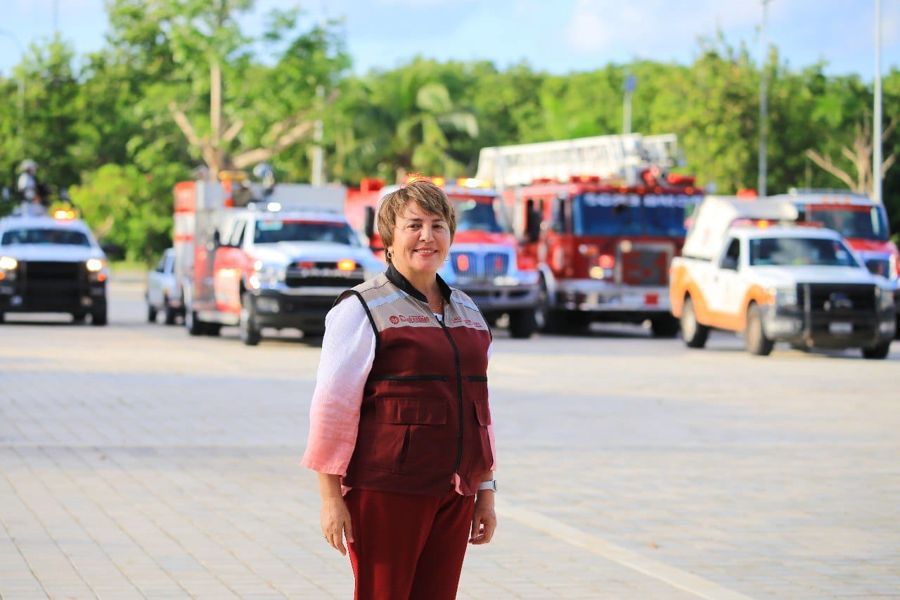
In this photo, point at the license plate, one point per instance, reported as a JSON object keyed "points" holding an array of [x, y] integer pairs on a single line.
{"points": [[840, 328], [633, 299]]}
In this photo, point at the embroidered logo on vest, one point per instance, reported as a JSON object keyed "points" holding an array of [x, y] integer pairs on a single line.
{"points": [[397, 319]]}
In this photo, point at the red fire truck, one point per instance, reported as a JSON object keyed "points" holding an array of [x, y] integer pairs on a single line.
{"points": [[484, 262], [603, 241], [263, 256]]}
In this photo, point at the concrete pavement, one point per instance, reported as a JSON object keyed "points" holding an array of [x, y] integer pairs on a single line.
{"points": [[137, 462]]}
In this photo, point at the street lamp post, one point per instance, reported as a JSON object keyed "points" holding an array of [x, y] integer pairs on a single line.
{"points": [[876, 125], [20, 128], [763, 104]]}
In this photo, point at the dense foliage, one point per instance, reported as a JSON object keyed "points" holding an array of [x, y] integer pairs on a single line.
{"points": [[118, 127]]}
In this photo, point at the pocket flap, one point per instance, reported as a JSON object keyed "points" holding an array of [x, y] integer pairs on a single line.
{"points": [[482, 411], [411, 411]]}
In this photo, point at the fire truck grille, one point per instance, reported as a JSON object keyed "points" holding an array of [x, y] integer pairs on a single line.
{"points": [[476, 266], [59, 282], [322, 281], [645, 266]]}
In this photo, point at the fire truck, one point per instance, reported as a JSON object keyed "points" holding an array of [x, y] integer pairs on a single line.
{"points": [[259, 256], [863, 224], [484, 261], [602, 218]]}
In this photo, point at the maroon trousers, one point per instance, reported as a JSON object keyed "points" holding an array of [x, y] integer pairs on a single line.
{"points": [[408, 546]]}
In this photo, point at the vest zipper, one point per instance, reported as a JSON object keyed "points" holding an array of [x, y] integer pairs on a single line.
{"points": [[459, 388]]}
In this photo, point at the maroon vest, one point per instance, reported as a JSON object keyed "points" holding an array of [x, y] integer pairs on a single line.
{"points": [[424, 413]]}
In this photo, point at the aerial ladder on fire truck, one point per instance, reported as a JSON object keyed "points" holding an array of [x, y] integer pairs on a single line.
{"points": [[621, 157]]}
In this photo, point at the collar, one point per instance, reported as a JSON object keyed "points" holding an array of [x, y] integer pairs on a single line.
{"points": [[395, 277]]}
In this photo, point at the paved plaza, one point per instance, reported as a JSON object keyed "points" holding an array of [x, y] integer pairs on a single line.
{"points": [[138, 462]]}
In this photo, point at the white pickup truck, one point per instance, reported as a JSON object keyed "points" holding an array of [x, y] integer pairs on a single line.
{"points": [[744, 271]]}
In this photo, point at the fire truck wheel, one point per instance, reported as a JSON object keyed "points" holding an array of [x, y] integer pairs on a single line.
{"points": [[693, 333], [151, 313], [664, 326], [877, 352], [522, 324], [755, 335], [98, 317], [194, 325], [250, 333]]}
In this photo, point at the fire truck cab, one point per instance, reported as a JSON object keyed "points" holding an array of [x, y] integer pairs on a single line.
{"points": [[601, 218], [256, 257], [604, 247], [484, 262]]}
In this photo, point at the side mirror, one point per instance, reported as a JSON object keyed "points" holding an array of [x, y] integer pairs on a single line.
{"points": [[730, 263], [370, 222], [533, 225]]}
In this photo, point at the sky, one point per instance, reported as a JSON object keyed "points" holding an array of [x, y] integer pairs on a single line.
{"points": [[558, 36]]}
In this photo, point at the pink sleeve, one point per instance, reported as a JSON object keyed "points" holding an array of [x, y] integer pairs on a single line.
{"points": [[491, 426], [348, 350]]}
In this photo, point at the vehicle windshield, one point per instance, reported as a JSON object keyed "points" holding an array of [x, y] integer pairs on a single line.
{"points": [[784, 251], [627, 214], [859, 222], [46, 236], [472, 215], [272, 231]]}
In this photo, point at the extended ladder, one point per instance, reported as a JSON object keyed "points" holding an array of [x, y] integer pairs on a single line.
{"points": [[606, 155]]}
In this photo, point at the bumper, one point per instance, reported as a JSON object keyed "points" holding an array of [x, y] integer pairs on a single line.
{"points": [[300, 311], [62, 297], [841, 331], [498, 299], [601, 297]]}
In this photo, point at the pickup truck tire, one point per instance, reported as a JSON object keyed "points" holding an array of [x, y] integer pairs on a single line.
{"points": [[79, 317], [877, 352], [664, 326], [98, 317], [151, 313], [250, 333], [522, 324], [693, 333], [755, 335], [170, 313]]}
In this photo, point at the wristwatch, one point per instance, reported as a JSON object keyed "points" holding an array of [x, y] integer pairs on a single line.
{"points": [[490, 484]]}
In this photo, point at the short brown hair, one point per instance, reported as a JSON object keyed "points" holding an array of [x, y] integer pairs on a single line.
{"points": [[428, 196]]}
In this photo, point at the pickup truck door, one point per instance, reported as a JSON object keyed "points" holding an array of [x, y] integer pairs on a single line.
{"points": [[731, 285]]}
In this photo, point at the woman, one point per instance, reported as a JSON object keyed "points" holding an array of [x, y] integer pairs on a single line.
{"points": [[400, 427]]}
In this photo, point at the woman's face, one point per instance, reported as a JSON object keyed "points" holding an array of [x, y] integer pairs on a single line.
{"points": [[421, 241]]}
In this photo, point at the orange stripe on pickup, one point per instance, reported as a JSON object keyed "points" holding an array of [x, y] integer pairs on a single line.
{"points": [[682, 286]]}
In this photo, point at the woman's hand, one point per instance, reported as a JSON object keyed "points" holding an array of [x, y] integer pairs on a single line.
{"points": [[484, 521], [334, 518], [335, 521]]}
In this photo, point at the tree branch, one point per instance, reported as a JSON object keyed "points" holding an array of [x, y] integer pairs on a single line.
{"points": [[185, 125], [828, 166], [245, 159], [232, 131], [887, 164]]}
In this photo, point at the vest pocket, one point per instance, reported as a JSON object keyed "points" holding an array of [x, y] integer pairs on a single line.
{"points": [[410, 411], [476, 389]]}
